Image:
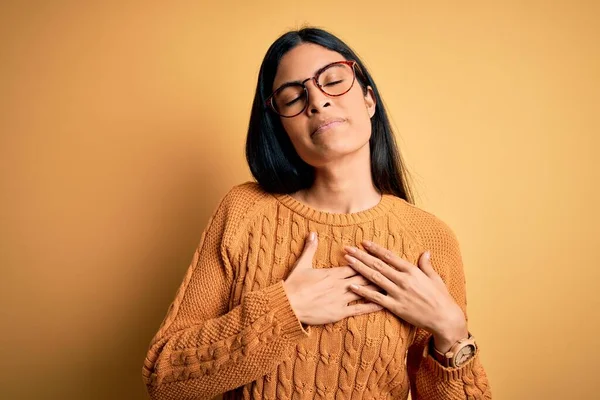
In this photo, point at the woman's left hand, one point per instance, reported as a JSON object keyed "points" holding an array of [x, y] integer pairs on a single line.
{"points": [[417, 294]]}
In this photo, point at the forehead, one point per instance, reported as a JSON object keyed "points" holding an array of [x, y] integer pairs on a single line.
{"points": [[302, 62]]}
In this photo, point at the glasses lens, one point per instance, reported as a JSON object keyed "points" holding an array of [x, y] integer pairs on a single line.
{"points": [[337, 79], [290, 100]]}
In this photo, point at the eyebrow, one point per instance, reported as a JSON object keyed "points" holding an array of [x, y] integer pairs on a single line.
{"points": [[299, 81]]}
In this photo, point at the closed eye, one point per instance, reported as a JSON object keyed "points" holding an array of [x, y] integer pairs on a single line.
{"points": [[293, 101], [334, 83]]}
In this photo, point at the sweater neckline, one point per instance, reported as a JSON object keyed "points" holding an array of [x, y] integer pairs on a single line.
{"points": [[337, 219]]}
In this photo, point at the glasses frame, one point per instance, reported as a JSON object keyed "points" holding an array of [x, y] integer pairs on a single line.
{"points": [[351, 63]]}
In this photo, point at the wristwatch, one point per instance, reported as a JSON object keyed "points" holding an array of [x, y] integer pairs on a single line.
{"points": [[461, 352]]}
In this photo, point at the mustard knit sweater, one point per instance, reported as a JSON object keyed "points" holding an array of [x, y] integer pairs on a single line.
{"points": [[231, 329]]}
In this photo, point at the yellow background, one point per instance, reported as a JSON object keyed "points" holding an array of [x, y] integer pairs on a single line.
{"points": [[123, 124]]}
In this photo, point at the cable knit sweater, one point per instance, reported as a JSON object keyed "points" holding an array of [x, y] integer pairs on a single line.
{"points": [[231, 329]]}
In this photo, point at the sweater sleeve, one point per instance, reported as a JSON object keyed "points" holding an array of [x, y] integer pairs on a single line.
{"points": [[202, 348], [429, 379]]}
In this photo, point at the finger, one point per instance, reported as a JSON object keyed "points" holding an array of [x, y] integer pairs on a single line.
{"points": [[310, 248], [387, 256], [343, 272], [350, 296], [357, 279], [363, 308], [374, 263], [373, 296], [378, 273], [426, 266]]}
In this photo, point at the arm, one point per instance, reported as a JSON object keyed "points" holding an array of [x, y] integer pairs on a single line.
{"points": [[202, 348], [430, 380]]}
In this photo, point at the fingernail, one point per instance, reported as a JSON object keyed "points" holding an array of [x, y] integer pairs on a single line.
{"points": [[312, 236], [349, 258], [353, 286], [366, 243], [427, 255], [350, 249]]}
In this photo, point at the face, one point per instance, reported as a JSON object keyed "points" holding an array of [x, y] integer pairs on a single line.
{"points": [[349, 115]]}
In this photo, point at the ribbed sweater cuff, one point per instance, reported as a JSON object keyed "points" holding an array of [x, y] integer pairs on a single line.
{"points": [[291, 326], [447, 373]]}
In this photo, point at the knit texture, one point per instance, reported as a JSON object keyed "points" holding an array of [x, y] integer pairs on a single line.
{"points": [[231, 330]]}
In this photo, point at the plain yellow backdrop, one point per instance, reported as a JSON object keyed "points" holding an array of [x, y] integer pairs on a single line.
{"points": [[122, 124]]}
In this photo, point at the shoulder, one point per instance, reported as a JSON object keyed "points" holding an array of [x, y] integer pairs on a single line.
{"points": [[433, 234], [427, 228], [239, 206], [243, 197]]}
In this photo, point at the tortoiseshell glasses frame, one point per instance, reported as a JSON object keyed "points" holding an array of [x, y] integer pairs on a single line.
{"points": [[270, 100]]}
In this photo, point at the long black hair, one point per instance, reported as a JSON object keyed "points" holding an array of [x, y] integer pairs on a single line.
{"points": [[272, 159]]}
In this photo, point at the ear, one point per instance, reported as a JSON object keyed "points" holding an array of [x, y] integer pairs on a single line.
{"points": [[370, 101]]}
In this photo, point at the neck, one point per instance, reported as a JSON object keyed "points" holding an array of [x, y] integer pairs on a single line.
{"points": [[344, 186]]}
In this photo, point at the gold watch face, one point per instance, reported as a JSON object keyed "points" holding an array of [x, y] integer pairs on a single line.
{"points": [[464, 355]]}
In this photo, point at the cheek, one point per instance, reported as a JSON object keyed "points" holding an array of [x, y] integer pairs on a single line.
{"points": [[359, 117], [294, 127]]}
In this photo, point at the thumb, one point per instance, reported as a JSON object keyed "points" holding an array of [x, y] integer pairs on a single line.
{"points": [[425, 265], [310, 248]]}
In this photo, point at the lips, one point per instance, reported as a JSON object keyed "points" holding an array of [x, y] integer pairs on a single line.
{"points": [[324, 125]]}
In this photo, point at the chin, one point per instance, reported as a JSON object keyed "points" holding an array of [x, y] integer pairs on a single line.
{"points": [[326, 152]]}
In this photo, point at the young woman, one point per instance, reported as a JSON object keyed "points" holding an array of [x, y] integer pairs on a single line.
{"points": [[321, 279]]}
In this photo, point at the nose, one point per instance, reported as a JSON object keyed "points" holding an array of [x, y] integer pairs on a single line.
{"points": [[317, 100]]}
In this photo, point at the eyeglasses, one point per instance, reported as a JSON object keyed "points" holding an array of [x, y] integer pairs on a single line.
{"points": [[334, 80]]}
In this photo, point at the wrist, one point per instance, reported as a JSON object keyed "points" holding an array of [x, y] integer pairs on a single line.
{"points": [[460, 352], [292, 300], [450, 333], [443, 343]]}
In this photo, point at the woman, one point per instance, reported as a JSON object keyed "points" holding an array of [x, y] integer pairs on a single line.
{"points": [[321, 279]]}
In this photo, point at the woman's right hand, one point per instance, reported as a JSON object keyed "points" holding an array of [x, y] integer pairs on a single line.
{"points": [[321, 296]]}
